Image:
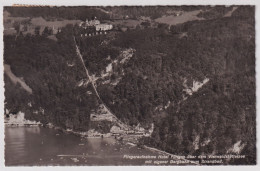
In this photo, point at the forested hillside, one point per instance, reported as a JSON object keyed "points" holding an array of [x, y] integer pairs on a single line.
{"points": [[222, 112], [53, 71], [195, 81]]}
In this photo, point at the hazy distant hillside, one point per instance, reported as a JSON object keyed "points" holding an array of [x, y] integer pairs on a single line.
{"points": [[57, 12]]}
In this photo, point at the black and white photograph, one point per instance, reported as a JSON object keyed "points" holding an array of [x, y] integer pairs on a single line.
{"points": [[153, 85]]}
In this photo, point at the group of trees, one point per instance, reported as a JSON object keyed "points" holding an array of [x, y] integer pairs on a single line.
{"points": [[95, 53]]}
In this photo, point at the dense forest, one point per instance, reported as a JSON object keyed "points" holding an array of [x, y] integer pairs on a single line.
{"points": [[166, 60], [223, 111], [43, 63]]}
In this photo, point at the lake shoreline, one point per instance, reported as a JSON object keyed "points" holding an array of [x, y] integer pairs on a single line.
{"points": [[126, 142], [123, 138]]}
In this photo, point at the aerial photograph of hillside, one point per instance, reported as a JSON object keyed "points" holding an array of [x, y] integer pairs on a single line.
{"points": [[129, 85]]}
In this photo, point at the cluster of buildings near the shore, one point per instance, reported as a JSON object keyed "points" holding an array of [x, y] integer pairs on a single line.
{"points": [[101, 114], [18, 120]]}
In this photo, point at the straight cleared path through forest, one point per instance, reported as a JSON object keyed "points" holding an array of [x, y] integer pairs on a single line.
{"points": [[120, 123]]}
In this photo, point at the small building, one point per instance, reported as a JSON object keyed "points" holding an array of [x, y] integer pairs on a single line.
{"points": [[92, 22], [115, 130], [104, 27]]}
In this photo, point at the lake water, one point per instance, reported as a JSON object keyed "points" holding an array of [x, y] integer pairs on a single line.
{"points": [[44, 146]]}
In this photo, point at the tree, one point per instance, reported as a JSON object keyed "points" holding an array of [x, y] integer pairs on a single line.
{"points": [[46, 32], [37, 30]]}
